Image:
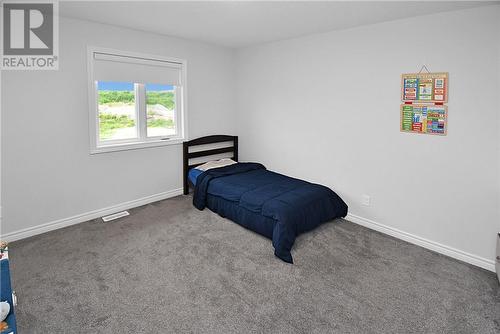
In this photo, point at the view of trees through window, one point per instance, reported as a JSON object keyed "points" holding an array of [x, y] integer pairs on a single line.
{"points": [[117, 110], [160, 106]]}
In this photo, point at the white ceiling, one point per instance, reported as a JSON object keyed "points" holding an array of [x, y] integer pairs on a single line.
{"points": [[240, 24]]}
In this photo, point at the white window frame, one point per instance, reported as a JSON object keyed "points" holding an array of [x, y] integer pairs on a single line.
{"points": [[142, 141]]}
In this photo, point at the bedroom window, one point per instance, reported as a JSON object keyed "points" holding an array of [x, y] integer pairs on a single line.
{"points": [[160, 108], [136, 100], [117, 111]]}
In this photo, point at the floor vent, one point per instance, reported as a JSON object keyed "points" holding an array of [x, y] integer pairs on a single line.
{"points": [[115, 216]]}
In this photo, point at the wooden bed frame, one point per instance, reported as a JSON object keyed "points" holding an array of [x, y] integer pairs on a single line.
{"points": [[186, 155]]}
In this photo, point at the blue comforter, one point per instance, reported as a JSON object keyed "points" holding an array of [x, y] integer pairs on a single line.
{"points": [[295, 205]]}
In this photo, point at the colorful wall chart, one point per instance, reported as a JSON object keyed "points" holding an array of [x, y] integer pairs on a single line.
{"points": [[423, 109], [424, 87], [419, 118]]}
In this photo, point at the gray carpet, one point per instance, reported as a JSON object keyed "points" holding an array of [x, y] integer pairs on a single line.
{"points": [[169, 268]]}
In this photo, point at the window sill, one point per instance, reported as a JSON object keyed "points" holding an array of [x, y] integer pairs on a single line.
{"points": [[134, 146]]}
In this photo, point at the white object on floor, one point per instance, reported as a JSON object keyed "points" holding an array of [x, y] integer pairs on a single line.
{"points": [[4, 310], [14, 298], [115, 216]]}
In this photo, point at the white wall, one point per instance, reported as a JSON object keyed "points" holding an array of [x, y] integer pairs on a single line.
{"points": [[326, 108], [47, 171]]}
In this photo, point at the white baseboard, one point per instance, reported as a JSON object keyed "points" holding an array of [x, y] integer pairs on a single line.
{"points": [[413, 239], [31, 231], [432, 245]]}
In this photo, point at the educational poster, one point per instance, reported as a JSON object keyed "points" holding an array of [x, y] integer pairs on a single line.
{"points": [[419, 118], [424, 87]]}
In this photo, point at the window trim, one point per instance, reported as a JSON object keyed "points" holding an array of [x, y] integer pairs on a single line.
{"points": [[97, 146]]}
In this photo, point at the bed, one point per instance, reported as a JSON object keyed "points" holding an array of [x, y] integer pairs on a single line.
{"points": [[274, 205]]}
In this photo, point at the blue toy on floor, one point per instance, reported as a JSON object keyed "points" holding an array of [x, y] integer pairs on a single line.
{"points": [[6, 294]]}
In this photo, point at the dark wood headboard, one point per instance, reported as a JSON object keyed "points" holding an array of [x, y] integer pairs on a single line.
{"points": [[198, 154]]}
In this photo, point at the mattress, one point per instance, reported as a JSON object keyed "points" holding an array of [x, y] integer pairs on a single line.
{"points": [[193, 175], [271, 204]]}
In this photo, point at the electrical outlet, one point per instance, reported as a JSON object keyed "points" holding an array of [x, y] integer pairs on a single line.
{"points": [[365, 200]]}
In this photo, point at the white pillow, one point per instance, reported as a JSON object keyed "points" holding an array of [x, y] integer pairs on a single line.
{"points": [[216, 164]]}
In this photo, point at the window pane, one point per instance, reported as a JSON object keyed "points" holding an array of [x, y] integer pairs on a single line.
{"points": [[160, 104], [117, 116]]}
